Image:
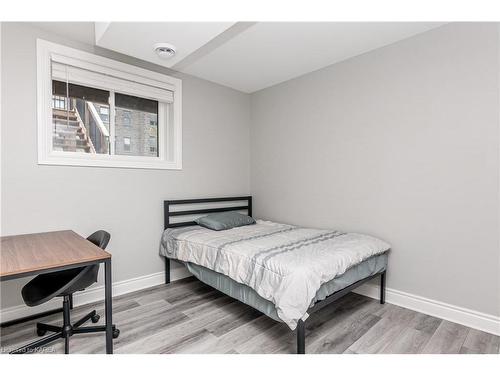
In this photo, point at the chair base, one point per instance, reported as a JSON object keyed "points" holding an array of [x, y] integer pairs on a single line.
{"points": [[64, 332]]}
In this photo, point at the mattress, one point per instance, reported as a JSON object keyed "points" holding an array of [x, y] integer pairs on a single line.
{"points": [[284, 264], [248, 296]]}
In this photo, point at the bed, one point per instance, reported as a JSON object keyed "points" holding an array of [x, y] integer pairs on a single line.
{"points": [[286, 272]]}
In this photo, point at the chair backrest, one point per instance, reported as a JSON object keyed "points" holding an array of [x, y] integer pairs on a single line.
{"points": [[88, 274], [100, 238]]}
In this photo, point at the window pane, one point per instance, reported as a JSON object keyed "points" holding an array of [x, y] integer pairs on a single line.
{"points": [[136, 126], [80, 118]]}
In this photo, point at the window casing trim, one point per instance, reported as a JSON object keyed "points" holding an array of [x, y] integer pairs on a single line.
{"points": [[46, 155]]}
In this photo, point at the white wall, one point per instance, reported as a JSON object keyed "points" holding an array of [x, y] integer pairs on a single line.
{"points": [[125, 202], [401, 143]]}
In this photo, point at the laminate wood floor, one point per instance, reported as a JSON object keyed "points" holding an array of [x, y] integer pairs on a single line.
{"points": [[187, 316]]}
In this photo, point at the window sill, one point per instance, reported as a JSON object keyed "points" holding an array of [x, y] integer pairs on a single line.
{"points": [[107, 161]]}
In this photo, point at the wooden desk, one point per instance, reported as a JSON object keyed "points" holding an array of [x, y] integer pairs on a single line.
{"points": [[33, 254]]}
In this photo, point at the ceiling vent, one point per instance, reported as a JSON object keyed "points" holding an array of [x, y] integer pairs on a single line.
{"points": [[164, 50]]}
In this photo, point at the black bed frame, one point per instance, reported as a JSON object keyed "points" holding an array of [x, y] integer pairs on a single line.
{"points": [[301, 346]]}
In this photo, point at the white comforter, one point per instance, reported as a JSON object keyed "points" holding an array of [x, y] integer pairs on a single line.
{"points": [[284, 264]]}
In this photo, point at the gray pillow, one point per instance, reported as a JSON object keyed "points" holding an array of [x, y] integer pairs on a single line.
{"points": [[224, 220]]}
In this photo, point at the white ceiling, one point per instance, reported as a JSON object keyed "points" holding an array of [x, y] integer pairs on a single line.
{"points": [[244, 56], [269, 53], [79, 31], [138, 38]]}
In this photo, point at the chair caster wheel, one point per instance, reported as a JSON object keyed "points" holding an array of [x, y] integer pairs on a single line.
{"points": [[41, 332], [116, 333], [95, 318]]}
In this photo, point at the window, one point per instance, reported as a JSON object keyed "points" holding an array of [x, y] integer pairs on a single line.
{"points": [[58, 102], [125, 117], [105, 113], [133, 116], [152, 144], [126, 144], [76, 125]]}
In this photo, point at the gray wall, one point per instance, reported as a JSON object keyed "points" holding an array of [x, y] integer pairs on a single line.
{"points": [[125, 202], [401, 143]]}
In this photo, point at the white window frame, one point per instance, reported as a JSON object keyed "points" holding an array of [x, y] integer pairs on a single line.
{"points": [[47, 51]]}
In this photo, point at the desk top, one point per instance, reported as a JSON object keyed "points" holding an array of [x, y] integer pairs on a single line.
{"points": [[28, 253]]}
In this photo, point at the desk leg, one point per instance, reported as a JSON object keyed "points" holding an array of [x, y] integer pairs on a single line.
{"points": [[108, 306]]}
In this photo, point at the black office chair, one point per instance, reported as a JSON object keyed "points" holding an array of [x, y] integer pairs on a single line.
{"points": [[63, 284]]}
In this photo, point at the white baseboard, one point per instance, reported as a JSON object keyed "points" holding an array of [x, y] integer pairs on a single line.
{"points": [[456, 314], [466, 317], [95, 294]]}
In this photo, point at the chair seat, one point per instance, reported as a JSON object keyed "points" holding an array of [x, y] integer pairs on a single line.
{"points": [[57, 284]]}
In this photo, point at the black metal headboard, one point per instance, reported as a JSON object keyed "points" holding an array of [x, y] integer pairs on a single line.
{"points": [[168, 213]]}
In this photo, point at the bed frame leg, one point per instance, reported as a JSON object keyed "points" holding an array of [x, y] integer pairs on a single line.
{"points": [[382, 288], [301, 337], [167, 270]]}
